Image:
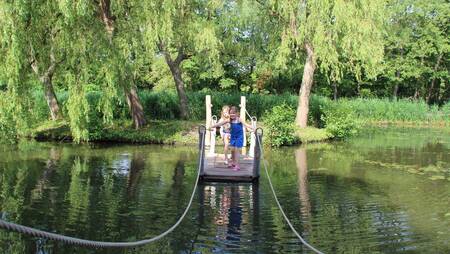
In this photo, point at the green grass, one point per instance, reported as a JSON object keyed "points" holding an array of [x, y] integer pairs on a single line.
{"points": [[156, 132], [386, 110], [312, 134], [173, 132], [51, 130]]}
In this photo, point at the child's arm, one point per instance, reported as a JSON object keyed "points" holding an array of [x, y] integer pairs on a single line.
{"points": [[220, 123], [248, 126]]}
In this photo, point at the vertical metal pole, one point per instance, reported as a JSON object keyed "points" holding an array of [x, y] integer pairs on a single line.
{"points": [[201, 155], [208, 106], [257, 158], [251, 150]]}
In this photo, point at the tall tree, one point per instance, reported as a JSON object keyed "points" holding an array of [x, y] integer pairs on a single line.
{"points": [[121, 22], [417, 47], [182, 30], [39, 25], [45, 53], [14, 68], [333, 35]]}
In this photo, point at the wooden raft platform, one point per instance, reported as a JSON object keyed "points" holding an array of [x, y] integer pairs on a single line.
{"points": [[215, 169]]}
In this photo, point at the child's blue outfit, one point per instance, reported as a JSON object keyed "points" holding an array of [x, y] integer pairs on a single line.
{"points": [[237, 135]]}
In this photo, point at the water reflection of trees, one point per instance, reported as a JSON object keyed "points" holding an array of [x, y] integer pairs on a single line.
{"points": [[327, 191], [23, 179], [376, 209], [78, 192]]}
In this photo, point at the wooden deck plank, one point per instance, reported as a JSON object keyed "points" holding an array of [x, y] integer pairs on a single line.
{"points": [[215, 169]]}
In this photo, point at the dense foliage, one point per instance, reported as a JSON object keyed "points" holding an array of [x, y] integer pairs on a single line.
{"points": [[340, 121], [91, 62], [280, 127]]}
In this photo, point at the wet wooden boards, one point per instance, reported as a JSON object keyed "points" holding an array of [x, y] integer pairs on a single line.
{"points": [[215, 169]]}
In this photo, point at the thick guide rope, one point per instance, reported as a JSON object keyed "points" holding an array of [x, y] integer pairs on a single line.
{"points": [[278, 202], [99, 244]]}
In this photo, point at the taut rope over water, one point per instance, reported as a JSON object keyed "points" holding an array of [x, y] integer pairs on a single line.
{"points": [[99, 244], [279, 205]]}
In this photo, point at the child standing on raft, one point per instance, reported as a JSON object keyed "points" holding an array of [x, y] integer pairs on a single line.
{"points": [[236, 136]]}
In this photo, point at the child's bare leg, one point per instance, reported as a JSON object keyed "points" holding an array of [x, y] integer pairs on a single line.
{"points": [[232, 154], [236, 156], [225, 148]]}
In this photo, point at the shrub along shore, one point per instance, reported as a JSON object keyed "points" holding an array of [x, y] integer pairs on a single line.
{"points": [[328, 119]]}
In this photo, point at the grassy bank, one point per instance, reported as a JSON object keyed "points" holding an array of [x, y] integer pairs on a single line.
{"points": [[156, 132], [168, 132], [330, 119]]}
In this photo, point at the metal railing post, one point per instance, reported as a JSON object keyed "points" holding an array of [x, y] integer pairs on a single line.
{"points": [[201, 146], [257, 157]]}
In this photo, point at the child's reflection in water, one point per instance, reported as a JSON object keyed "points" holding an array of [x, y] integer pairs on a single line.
{"points": [[229, 217]]}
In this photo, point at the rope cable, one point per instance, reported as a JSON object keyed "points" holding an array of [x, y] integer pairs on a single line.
{"points": [[249, 116], [279, 205], [99, 244]]}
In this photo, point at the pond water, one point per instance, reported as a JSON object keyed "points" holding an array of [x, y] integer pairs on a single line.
{"points": [[385, 191]]}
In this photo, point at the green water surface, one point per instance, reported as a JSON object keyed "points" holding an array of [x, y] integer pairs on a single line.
{"points": [[385, 191]]}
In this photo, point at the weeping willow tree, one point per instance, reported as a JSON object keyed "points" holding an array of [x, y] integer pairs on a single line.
{"points": [[333, 35], [66, 39], [45, 53], [15, 101], [31, 31], [123, 26]]}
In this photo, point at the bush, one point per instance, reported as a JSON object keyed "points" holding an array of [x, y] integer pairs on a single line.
{"points": [[445, 111], [279, 123], [340, 121], [316, 106]]}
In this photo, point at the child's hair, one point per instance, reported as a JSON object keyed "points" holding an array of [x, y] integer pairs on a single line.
{"points": [[225, 109]]}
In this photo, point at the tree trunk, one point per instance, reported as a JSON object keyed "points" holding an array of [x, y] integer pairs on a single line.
{"points": [[358, 88], [135, 106], [335, 91], [134, 103], [175, 69], [50, 97], [108, 21], [46, 80], [430, 91], [301, 119], [395, 92], [416, 93]]}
